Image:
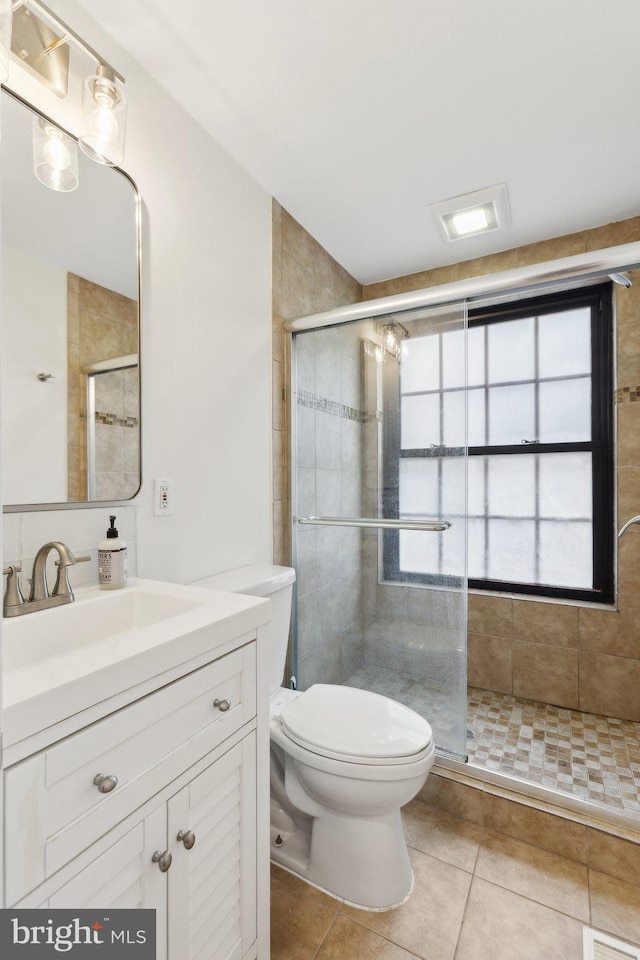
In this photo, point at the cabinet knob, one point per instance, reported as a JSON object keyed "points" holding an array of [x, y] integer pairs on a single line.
{"points": [[105, 784], [163, 859], [188, 838], [222, 705]]}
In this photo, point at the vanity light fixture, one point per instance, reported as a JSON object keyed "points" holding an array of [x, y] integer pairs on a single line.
{"points": [[472, 213], [6, 21], [40, 42], [104, 114], [55, 156]]}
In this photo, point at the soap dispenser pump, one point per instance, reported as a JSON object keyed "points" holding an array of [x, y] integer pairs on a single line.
{"points": [[112, 559]]}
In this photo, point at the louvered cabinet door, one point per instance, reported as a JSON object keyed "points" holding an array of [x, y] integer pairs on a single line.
{"points": [[212, 883], [124, 876]]}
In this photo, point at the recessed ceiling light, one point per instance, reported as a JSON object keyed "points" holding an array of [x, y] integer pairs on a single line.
{"points": [[470, 221], [472, 213]]}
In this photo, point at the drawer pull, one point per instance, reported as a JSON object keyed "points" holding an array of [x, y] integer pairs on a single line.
{"points": [[222, 705], [188, 838], [105, 784], [163, 859]]}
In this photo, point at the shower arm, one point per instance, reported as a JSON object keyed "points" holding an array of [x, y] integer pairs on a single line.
{"points": [[382, 524], [627, 525]]}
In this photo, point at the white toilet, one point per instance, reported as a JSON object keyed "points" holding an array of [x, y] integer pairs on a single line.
{"points": [[343, 763]]}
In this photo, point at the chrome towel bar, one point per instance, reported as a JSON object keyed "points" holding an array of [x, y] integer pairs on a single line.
{"points": [[378, 524]]}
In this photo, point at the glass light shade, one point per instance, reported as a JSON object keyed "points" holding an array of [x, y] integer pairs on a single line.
{"points": [[6, 23], [104, 115], [55, 157], [375, 351]]}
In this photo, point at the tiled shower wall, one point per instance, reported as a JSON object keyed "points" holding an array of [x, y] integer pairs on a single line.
{"points": [[330, 419], [567, 654], [102, 324], [307, 280]]}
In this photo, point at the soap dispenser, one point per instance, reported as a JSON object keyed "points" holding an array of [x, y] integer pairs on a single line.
{"points": [[112, 559]]}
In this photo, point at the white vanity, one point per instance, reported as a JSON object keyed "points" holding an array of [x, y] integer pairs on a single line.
{"points": [[136, 763]]}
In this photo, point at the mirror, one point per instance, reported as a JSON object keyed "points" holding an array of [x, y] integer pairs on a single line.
{"points": [[70, 302]]}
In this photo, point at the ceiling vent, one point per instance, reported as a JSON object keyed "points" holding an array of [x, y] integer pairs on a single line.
{"points": [[600, 946], [472, 213]]}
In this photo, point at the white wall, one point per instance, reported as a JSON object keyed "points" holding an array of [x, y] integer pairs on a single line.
{"points": [[206, 395], [34, 340]]}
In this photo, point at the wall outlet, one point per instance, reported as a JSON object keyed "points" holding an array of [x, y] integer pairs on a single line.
{"points": [[163, 498]]}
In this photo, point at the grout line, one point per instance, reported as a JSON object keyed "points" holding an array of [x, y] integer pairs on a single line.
{"points": [[523, 896], [328, 931], [382, 936], [464, 915]]}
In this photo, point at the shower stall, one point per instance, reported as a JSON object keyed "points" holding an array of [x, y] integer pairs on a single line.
{"points": [[389, 512]]}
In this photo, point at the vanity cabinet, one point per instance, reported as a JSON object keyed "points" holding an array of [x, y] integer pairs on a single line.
{"points": [[186, 761]]}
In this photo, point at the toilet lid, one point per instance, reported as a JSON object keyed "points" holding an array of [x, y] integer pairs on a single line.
{"points": [[356, 725]]}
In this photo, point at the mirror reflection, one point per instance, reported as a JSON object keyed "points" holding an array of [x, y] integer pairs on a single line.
{"points": [[70, 294]]}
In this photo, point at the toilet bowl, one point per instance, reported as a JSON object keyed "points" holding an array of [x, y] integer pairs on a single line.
{"points": [[343, 763]]}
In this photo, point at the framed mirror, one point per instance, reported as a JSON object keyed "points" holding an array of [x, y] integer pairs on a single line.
{"points": [[71, 327]]}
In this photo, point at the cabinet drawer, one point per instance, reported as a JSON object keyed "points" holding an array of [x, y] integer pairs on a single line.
{"points": [[54, 791]]}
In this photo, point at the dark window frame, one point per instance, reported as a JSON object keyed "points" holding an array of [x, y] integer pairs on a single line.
{"points": [[599, 299]]}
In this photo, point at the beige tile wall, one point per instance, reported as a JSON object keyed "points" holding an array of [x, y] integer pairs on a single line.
{"points": [[101, 324], [572, 656]]}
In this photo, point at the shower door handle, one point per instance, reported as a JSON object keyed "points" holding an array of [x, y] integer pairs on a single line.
{"points": [[378, 523]]}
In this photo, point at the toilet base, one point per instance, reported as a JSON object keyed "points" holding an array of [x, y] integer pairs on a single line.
{"points": [[329, 893], [360, 861]]}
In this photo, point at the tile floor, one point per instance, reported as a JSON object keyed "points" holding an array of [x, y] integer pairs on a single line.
{"points": [[478, 895], [592, 757]]}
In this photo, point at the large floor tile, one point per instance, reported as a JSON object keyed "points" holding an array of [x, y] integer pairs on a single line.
{"points": [[534, 873], [615, 906], [349, 940], [428, 924], [442, 835], [501, 925], [299, 920]]}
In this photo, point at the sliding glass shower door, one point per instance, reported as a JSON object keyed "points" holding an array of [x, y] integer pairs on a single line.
{"points": [[379, 511]]}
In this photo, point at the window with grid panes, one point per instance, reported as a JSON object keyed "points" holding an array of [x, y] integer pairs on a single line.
{"points": [[538, 402]]}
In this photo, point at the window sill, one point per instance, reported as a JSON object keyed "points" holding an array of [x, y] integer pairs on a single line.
{"points": [[561, 601]]}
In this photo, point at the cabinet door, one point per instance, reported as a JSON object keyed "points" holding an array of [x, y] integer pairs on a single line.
{"points": [[125, 876], [212, 886]]}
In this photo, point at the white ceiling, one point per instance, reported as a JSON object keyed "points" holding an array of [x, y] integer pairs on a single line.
{"points": [[358, 114]]}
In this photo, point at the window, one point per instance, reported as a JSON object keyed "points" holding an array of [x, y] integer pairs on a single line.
{"points": [[538, 400]]}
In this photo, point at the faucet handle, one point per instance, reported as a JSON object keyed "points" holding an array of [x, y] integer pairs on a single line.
{"points": [[62, 586], [12, 595]]}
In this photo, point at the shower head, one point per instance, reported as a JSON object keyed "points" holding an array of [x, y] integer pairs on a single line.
{"points": [[622, 278]]}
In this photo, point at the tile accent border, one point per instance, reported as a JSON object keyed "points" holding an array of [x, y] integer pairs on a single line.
{"points": [[111, 420], [332, 407]]}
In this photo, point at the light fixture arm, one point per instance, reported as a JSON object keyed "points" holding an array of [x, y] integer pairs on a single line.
{"points": [[69, 35]]}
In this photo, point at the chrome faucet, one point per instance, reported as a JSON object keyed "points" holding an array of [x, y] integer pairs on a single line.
{"points": [[39, 587], [15, 605]]}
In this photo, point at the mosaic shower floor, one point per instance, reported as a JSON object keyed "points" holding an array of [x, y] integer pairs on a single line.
{"points": [[592, 757]]}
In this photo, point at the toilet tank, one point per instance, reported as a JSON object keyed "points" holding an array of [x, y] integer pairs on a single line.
{"points": [[263, 580]]}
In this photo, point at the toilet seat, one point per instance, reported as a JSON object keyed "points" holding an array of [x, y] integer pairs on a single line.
{"points": [[356, 726]]}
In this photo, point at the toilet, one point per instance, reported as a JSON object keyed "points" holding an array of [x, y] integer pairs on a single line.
{"points": [[343, 763]]}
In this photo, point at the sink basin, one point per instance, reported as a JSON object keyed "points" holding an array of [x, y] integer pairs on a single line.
{"points": [[60, 661], [92, 618]]}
